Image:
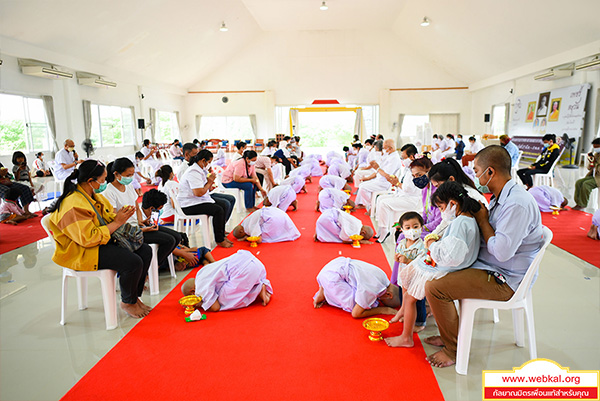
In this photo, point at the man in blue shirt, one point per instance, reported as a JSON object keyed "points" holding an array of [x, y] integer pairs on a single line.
{"points": [[511, 148], [511, 234]]}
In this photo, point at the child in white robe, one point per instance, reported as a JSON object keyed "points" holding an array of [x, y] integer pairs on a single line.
{"points": [[231, 283], [333, 181], [457, 250], [331, 198], [302, 171], [282, 197], [357, 287], [341, 169], [548, 198], [270, 224], [594, 232], [315, 167], [297, 182], [338, 226]]}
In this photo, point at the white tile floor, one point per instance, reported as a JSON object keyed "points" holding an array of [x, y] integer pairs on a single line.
{"points": [[42, 360]]}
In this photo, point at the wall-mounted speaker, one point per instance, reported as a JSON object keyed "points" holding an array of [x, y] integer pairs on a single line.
{"points": [[486, 118], [141, 123]]}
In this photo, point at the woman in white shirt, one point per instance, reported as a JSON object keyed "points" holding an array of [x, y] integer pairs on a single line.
{"points": [[120, 192], [194, 197], [169, 187]]}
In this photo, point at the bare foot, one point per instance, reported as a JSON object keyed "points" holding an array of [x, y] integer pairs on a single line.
{"points": [[180, 266], [133, 310], [399, 317], [435, 341], [319, 299], [400, 341], [440, 360], [14, 223], [252, 209], [264, 295], [593, 233], [360, 207], [367, 213], [389, 311], [418, 329], [225, 244], [577, 207], [143, 305]]}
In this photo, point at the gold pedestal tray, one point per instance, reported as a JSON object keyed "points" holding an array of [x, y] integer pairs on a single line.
{"points": [[189, 301], [253, 241], [555, 210], [347, 208], [356, 240], [375, 326]]}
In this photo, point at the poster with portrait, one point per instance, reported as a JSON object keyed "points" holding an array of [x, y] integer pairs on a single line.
{"points": [[542, 109], [530, 112], [554, 109]]}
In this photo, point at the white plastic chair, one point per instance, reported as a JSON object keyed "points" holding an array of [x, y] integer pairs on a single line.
{"points": [[513, 170], [188, 223], [238, 193], [107, 282], [153, 270], [58, 184], [374, 197], [520, 302], [548, 178]]}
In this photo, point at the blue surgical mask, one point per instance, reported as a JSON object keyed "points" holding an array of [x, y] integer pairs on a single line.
{"points": [[101, 188], [126, 180], [421, 182], [546, 145], [482, 188]]}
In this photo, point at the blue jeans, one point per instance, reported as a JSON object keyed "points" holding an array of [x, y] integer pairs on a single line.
{"points": [[249, 191]]}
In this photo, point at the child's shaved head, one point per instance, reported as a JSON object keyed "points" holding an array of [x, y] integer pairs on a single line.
{"points": [[188, 287], [238, 231], [366, 232]]}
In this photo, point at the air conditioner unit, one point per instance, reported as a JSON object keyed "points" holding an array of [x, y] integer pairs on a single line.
{"points": [[97, 82], [553, 74], [594, 64], [45, 72]]}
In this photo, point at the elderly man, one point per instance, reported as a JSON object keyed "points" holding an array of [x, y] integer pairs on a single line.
{"points": [[511, 148], [65, 160], [511, 235], [378, 181]]}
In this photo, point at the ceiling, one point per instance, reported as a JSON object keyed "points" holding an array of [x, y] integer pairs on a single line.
{"points": [[179, 43]]}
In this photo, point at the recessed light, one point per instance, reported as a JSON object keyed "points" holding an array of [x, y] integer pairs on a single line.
{"points": [[223, 27], [324, 6], [425, 21]]}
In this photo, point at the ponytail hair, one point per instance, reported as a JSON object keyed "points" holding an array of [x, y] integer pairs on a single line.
{"points": [[249, 154], [204, 154], [442, 171], [452, 190], [89, 169], [118, 166], [164, 173]]}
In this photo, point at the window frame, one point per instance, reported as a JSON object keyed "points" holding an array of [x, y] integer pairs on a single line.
{"points": [[27, 125], [123, 143]]}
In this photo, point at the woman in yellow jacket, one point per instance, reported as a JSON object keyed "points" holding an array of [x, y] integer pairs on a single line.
{"points": [[84, 243]]}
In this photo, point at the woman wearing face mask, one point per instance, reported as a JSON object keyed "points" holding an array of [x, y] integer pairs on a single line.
{"points": [[82, 240], [241, 174], [544, 163], [120, 193], [194, 197]]}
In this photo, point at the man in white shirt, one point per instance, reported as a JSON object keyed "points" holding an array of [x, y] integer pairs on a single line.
{"points": [[175, 150], [65, 160], [270, 149], [283, 144]]}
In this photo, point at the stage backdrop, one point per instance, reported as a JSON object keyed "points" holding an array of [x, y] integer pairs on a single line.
{"points": [[558, 111]]}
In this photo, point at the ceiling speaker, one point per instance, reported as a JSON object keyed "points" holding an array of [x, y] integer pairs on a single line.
{"points": [[224, 99]]}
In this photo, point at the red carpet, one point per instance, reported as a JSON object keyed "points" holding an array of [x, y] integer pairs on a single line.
{"points": [[570, 230], [285, 351], [26, 232]]}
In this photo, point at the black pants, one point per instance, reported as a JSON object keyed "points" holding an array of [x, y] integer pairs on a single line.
{"points": [[166, 239], [216, 210], [260, 178], [525, 174], [131, 266], [226, 201], [287, 165]]}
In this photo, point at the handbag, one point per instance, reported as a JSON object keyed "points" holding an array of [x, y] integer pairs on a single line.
{"points": [[127, 236]]}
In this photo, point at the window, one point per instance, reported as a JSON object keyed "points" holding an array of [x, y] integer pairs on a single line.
{"points": [[371, 118], [23, 124], [282, 120], [111, 126], [500, 119], [168, 127], [413, 126], [229, 128]]}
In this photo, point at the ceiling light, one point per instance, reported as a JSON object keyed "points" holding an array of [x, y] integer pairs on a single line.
{"points": [[324, 6], [425, 21], [223, 27]]}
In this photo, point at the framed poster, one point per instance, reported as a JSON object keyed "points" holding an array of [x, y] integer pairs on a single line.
{"points": [[542, 110], [555, 109], [530, 112]]}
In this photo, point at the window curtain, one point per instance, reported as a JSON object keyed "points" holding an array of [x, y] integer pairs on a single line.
{"points": [[198, 121], [153, 125], [253, 125], [399, 134], [293, 121], [134, 122], [506, 117], [358, 123], [49, 109], [178, 124], [87, 119], [443, 124]]}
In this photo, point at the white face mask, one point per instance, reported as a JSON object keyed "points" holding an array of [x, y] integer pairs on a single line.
{"points": [[449, 213], [413, 233], [406, 162], [596, 150], [252, 163]]}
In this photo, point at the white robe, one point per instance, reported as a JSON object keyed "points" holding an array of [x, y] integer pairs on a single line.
{"points": [[235, 281], [271, 224], [302, 171], [348, 282], [282, 196], [296, 182], [340, 168], [219, 159], [330, 198], [363, 155], [390, 163], [337, 226], [333, 155], [332, 181], [315, 167]]}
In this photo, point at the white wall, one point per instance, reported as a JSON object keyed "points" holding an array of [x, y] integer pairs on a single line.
{"points": [[68, 96]]}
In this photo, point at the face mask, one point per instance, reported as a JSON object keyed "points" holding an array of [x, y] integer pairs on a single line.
{"points": [[413, 233], [449, 213], [101, 188], [71, 148], [459, 140], [252, 163], [546, 145], [421, 182], [126, 180], [596, 150], [482, 188], [406, 162]]}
